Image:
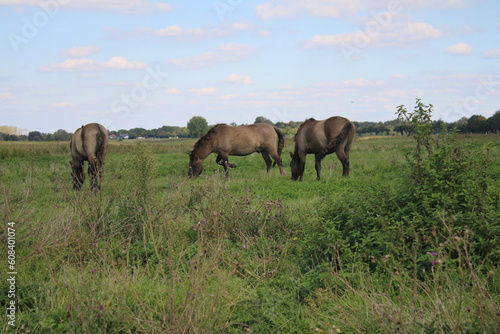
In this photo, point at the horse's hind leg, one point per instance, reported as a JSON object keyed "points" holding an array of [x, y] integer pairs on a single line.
{"points": [[277, 160], [267, 159], [344, 159], [94, 173], [77, 174]]}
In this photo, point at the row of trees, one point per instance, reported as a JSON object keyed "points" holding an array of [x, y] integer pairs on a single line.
{"points": [[197, 126]]}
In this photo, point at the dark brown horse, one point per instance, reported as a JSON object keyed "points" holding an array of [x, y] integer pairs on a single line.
{"points": [[320, 138], [225, 140], [88, 143]]}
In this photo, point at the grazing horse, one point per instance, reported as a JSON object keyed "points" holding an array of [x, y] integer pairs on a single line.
{"points": [[320, 138], [225, 140], [88, 143]]}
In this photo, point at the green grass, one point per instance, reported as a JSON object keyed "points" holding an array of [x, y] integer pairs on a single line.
{"points": [[156, 252]]}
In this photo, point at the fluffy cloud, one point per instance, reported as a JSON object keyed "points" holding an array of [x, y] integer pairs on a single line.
{"points": [[62, 105], [323, 8], [6, 96], [173, 91], [204, 91], [183, 34], [90, 65], [279, 9], [239, 79], [396, 35], [79, 52], [224, 53], [128, 7], [492, 53], [460, 49], [180, 33]]}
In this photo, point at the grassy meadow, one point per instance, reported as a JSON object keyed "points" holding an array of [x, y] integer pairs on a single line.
{"points": [[401, 246]]}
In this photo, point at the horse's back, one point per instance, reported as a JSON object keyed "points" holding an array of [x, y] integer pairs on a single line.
{"points": [[334, 125], [310, 137], [244, 140], [314, 135], [89, 140]]}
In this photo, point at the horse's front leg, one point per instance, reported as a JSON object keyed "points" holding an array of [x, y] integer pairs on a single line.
{"points": [[317, 164], [223, 159], [220, 161]]}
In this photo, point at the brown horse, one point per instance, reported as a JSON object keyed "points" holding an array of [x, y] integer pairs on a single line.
{"points": [[225, 140], [320, 138], [88, 143]]}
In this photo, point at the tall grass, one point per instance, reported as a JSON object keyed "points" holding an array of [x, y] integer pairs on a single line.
{"points": [[154, 252]]}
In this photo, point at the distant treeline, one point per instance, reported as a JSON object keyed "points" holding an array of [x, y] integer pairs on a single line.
{"points": [[473, 124]]}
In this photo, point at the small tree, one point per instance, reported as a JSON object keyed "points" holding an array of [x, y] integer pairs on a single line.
{"points": [[197, 126], [34, 136], [62, 135], [418, 124], [262, 119], [477, 124]]}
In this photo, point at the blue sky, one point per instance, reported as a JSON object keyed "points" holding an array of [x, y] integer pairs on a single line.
{"points": [[140, 63]]}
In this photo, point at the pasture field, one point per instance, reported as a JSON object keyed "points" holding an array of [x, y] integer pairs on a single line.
{"points": [[401, 245]]}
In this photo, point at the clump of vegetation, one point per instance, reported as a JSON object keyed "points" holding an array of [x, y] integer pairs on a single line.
{"points": [[431, 232]]}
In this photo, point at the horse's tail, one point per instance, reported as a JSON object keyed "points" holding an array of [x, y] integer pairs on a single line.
{"points": [[345, 136], [100, 149], [281, 142], [350, 131]]}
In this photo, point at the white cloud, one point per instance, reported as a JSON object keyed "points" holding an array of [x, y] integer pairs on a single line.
{"points": [[241, 25], [183, 34], [224, 53], [395, 93], [204, 91], [6, 96], [396, 35], [127, 7], [124, 64], [279, 9], [62, 105], [460, 49], [164, 7], [239, 79], [323, 8], [79, 52], [360, 82], [90, 65], [228, 97], [194, 34], [492, 53], [173, 91], [398, 76]]}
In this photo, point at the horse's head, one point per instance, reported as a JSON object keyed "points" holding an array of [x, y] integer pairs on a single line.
{"points": [[296, 167], [195, 167]]}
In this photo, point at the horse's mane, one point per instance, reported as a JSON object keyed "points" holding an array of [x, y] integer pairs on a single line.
{"points": [[203, 139]]}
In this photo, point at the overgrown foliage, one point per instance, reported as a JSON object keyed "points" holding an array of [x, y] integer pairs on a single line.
{"points": [[393, 248]]}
